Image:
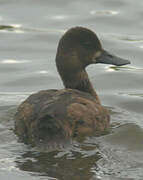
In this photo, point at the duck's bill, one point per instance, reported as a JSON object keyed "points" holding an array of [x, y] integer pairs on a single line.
{"points": [[107, 58]]}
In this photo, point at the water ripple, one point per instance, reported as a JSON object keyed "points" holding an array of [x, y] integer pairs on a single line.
{"points": [[18, 28], [43, 72], [126, 37], [123, 68], [103, 12], [59, 17], [53, 31], [140, 95], [13, 61], [11, 28]]}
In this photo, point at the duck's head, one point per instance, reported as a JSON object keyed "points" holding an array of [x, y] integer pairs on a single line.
{"points": [[80, 47]]}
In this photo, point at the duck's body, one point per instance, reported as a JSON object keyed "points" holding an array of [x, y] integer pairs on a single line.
{"points": [[52, 116]]}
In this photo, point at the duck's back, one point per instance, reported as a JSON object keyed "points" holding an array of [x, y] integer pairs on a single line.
{"points": [[55, 115]]}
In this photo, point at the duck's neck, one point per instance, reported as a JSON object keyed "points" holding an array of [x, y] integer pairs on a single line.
{"points": [[80, 81]]}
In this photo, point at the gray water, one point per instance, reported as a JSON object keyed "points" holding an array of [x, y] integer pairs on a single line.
{"points": [[29, 33]]}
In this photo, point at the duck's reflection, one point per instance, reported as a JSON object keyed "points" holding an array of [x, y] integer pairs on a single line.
{"points": [[70, 166]]}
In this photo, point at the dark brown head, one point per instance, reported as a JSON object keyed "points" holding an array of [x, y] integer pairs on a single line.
{"points": [[78, 48]]}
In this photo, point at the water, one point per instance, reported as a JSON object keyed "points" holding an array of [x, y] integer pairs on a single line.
{"points": [[29, 33]]}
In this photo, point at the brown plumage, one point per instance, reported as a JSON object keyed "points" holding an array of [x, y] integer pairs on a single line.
{"points": [[56, 116]]}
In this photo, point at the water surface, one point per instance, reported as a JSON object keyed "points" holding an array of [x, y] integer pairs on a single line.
{"points": [[29, 33]]}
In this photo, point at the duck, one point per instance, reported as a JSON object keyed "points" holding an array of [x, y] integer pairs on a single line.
{"points": [[75, 112]]}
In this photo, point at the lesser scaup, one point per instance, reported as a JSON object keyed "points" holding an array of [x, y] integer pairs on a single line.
{"points": [[51, 116]]}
